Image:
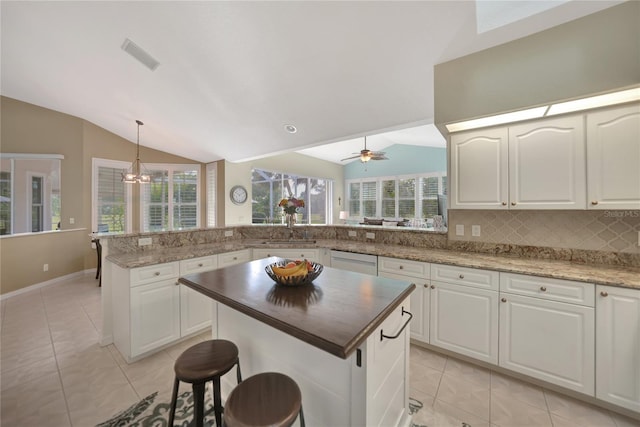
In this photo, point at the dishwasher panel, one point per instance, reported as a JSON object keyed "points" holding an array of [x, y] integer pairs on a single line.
{"points": [[359, 263]]}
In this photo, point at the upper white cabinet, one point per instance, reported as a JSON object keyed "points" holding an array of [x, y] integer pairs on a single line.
{"points": [[547, 164], [480, 169], [613, 158], [618, 346]]}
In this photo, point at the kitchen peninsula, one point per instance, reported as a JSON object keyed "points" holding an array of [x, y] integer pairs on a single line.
{"points": [[342, 338]]}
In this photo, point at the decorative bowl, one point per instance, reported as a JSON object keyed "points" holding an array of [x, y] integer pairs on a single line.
{"points": [[297, 280]]}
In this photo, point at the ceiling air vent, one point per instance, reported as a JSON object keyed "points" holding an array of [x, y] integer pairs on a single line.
{"points": [[137, 52]]}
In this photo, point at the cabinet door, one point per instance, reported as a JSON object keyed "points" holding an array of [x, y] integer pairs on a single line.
{"points": [[479, 169], [419, 305], [613, 158], [618, 346], [155, 315], [547, 164], [549, 340], [464, 320], [195, 311]]}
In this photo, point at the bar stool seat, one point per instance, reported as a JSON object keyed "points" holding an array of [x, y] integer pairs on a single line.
{"points": [[203, 362], [266, 399]]}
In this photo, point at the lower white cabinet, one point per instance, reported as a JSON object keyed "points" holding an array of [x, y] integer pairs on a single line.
{"points": [[618, 346], [418, 274], [545, 338], [155, 315], [464, 319]]}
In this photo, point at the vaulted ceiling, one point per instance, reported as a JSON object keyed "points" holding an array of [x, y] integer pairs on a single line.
{"points": [[233, 74]]}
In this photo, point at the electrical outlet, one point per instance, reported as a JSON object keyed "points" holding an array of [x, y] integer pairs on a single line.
{"points": [[72, 220], [145, 241], [459, 229], [228, 233], [475, 230], [371, 235], [45, 267], [352, 233]]}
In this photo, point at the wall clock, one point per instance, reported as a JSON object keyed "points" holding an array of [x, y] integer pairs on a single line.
{"points": [[238, 194]]}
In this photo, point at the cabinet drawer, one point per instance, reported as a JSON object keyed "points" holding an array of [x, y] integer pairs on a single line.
{"points": [[154, 273], [197, 265], [310, 254], [548, 288], [233, 258], [406, 268], [484, 279]]}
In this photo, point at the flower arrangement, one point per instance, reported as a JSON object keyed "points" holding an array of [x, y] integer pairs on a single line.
{"points": [[290, 206]]}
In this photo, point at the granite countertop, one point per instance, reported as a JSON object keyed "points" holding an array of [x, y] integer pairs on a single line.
{"points": [[309, 313], [598, 274]]}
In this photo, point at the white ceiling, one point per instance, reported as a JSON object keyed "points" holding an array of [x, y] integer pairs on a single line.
{"points": [[232, 74]]}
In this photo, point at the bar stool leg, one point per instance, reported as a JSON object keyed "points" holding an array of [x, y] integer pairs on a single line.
{"points": [[301, 417], [174, 398], [198, 404], [217, 401], [238, 376]]}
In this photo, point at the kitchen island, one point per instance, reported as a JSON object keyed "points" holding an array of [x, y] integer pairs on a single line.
{"points": [[336, 338]]}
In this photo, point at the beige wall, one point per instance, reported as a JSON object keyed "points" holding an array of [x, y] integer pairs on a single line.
{"points": [[240, 174], [596, 53], [26, 128]]}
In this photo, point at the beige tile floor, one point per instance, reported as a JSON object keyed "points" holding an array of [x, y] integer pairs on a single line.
{"points": [[54, 373]]}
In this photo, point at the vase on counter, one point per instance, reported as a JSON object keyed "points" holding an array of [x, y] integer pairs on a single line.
{"points": [[290, 220]]}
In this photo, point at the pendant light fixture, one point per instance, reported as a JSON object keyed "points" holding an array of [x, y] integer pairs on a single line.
{"points": [[134, 174]]}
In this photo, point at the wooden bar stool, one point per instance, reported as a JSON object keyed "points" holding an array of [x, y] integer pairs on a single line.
{"points": [[203, 362], [267, 399]]}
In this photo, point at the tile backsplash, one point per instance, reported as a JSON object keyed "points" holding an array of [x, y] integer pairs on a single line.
{"points": [[610, 231]]}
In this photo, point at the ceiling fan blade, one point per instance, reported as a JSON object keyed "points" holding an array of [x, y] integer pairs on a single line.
{"points": [[349, 158], [378, 158]]}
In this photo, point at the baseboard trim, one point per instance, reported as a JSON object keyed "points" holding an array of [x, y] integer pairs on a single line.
{"points": [[47, 283]]}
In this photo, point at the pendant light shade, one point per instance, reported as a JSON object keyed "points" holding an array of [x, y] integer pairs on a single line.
{"points": [[135, 173]]}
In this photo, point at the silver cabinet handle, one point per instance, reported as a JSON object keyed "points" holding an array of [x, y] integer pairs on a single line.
{"points": [[543, 288], [503, 300], [604, 294]]}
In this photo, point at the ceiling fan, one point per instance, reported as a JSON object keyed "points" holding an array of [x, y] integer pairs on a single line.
{"points": [[366, 155]]}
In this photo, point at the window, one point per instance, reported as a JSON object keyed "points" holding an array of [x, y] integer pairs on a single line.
{"points": [[409, 197], [212, 171], [111, 208], [268, 188], [171, 200]]}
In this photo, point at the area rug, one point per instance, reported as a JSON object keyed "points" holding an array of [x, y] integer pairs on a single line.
{"points": [[148, 413]]}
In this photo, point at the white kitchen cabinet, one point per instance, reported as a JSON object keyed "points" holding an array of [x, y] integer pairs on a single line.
{"points": [[547, 164], [417, 273], [233, 258], [289, 253], [613, 158], [155, 315], [618, 346], [479, 169], [195, 308], [464, 311], [544, 336]]}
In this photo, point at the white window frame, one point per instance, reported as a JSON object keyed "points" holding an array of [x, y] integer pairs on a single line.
{"points": [[45, 208], [170, 168], [97, 162], [212, 179], [396, 178]]}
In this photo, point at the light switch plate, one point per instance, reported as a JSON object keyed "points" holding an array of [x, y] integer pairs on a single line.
{"points": [[371, 235], [352, 233], [459, 229], [228, 233]]}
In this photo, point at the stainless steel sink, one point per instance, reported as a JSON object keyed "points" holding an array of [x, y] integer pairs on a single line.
{"points": [[288, 242]]}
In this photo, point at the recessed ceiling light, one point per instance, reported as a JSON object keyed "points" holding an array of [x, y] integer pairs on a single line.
{"points": [[290, 128]]}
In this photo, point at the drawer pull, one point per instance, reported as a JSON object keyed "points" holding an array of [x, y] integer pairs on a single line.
{"points": [[235, 258], [433, 286], [301, 255], [543, 288], [503, 300], [504, 203], [513, 203], [461, 276], [426, 286], [595, 202], [177, 283], [157, 273], [604, 294], [401, 267], [392, 337], [200, 264]]}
